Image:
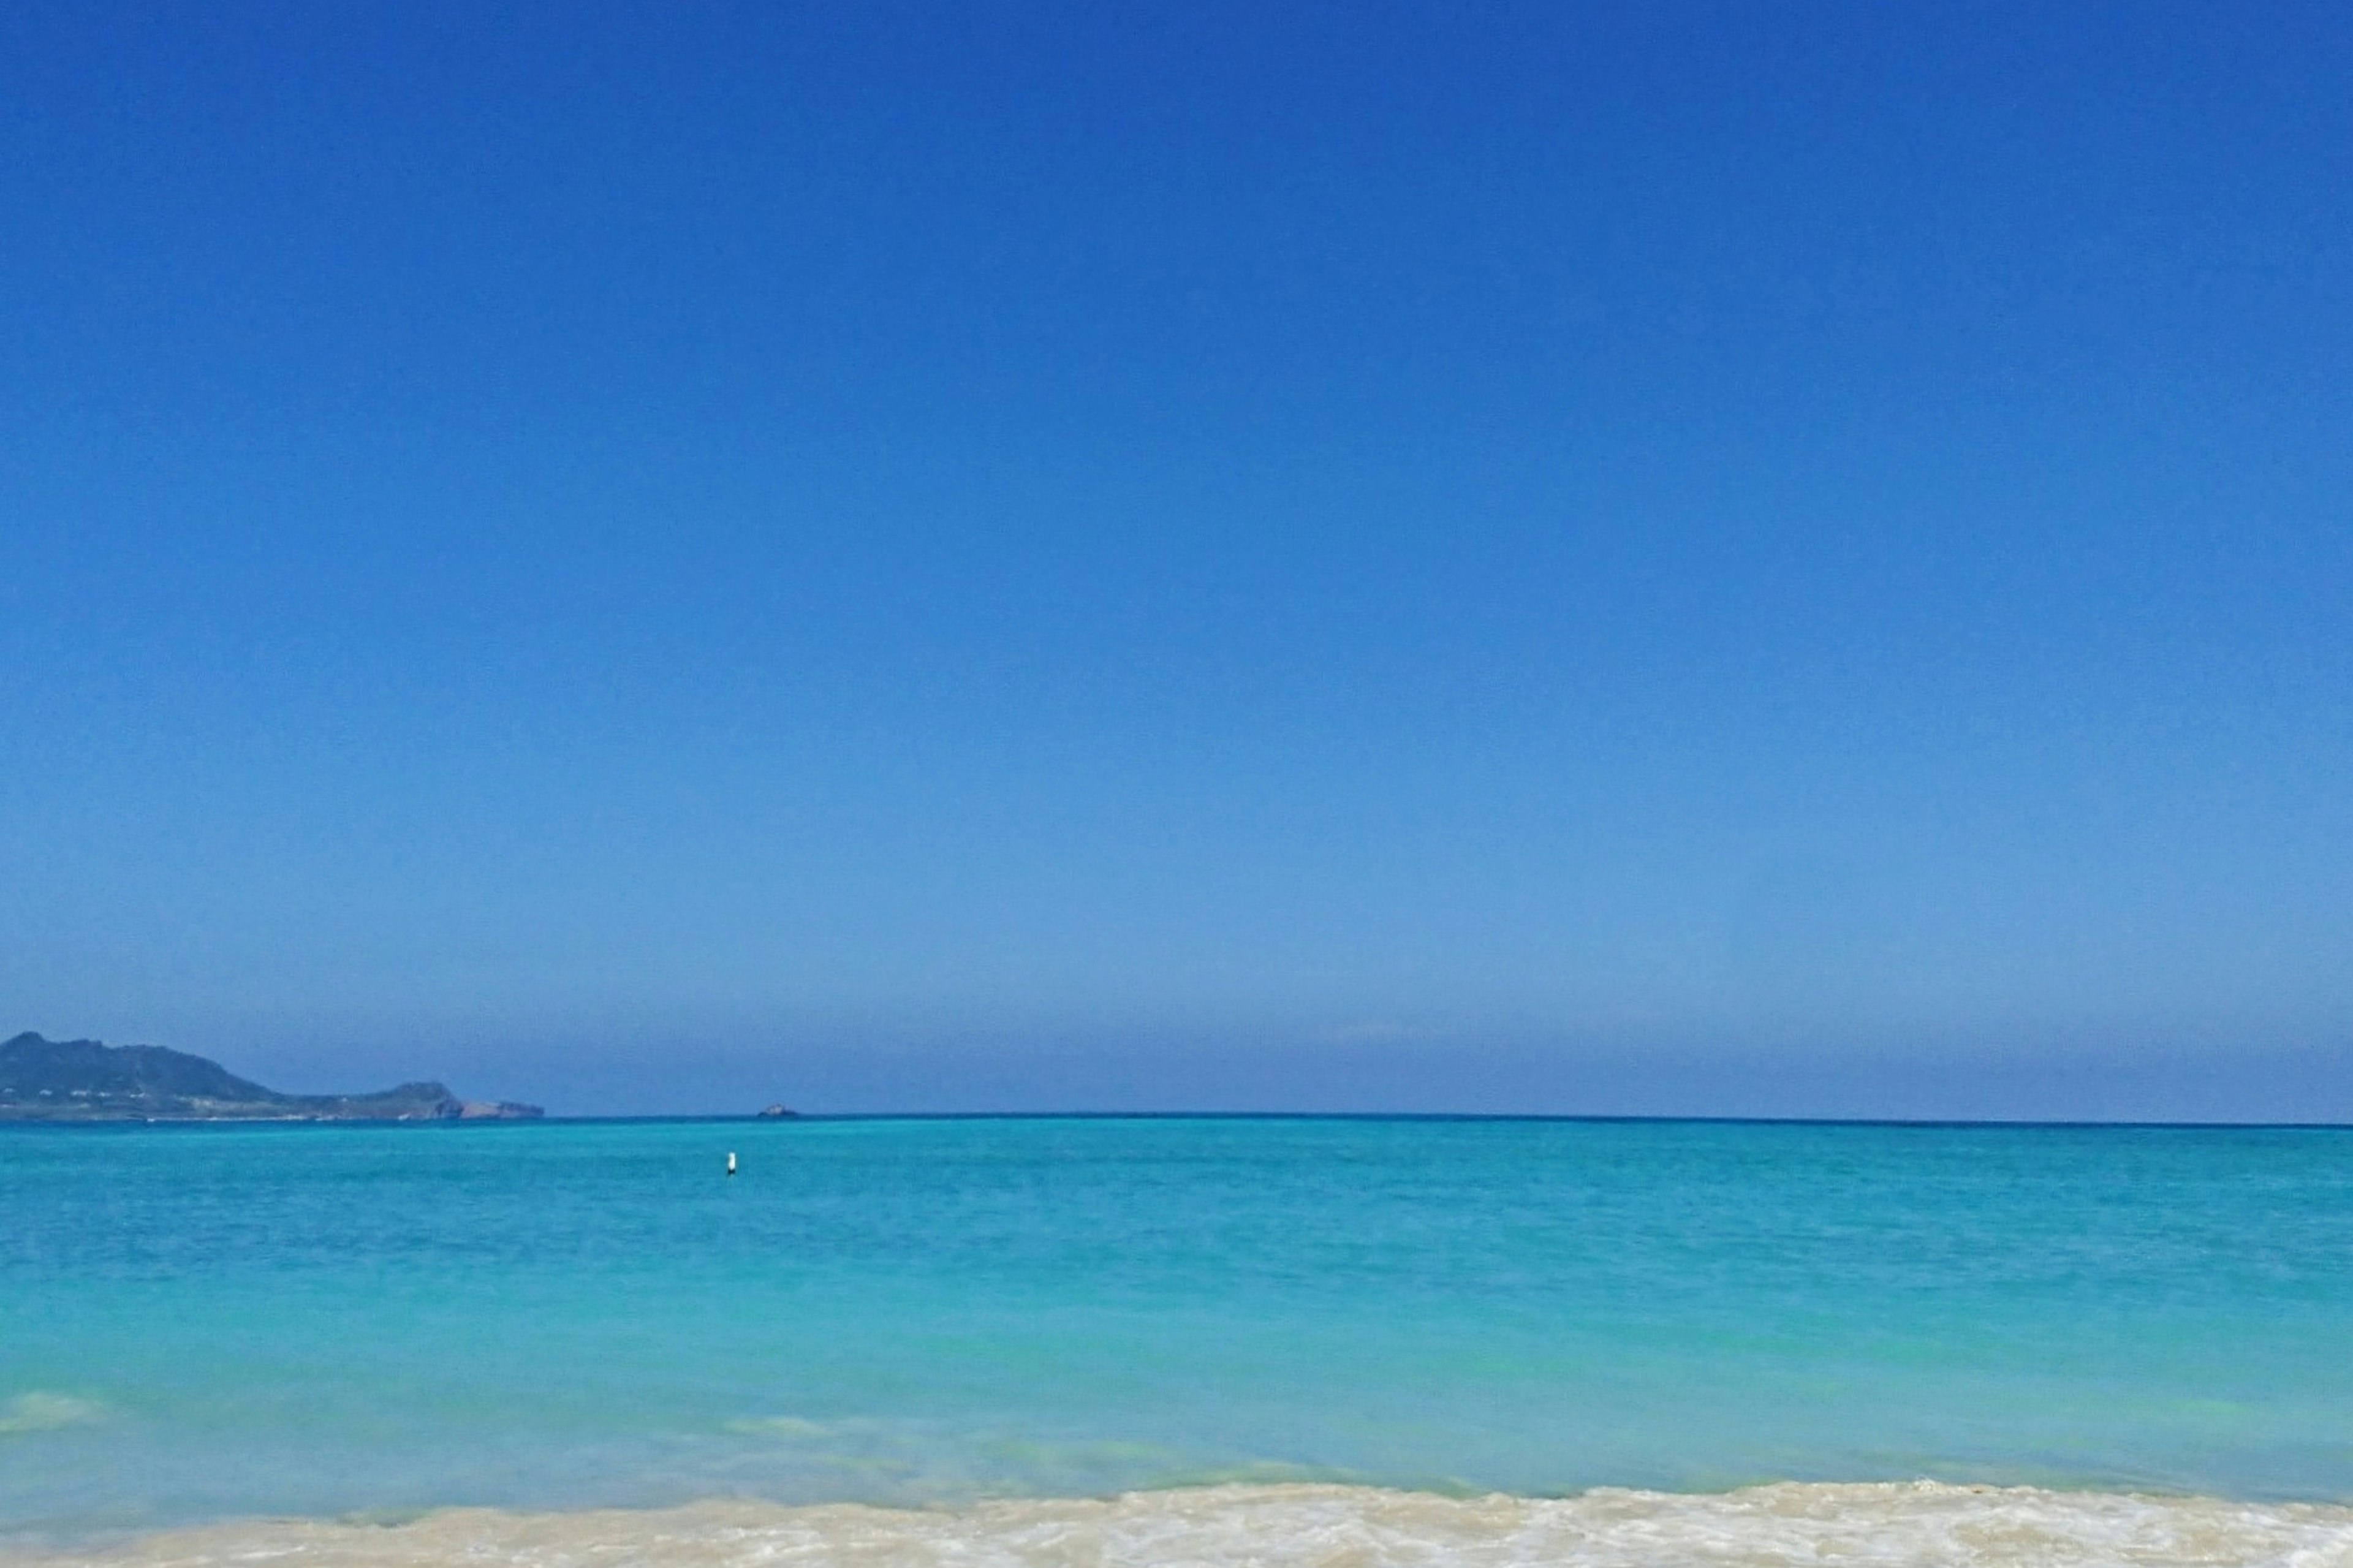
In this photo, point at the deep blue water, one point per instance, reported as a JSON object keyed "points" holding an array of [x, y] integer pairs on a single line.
{"points": [[201, 1322]]}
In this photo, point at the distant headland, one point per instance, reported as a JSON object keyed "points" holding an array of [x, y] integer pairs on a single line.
{"points": [[83, 1081]]}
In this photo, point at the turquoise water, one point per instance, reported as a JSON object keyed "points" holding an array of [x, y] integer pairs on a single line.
{"points": [[213, 1321]]}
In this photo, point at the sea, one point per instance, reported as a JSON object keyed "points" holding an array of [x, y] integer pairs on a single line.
{"points": [[1347, 1341]]}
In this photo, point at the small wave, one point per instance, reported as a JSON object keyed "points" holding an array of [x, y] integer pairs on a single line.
{"points": [[793, 1427], [39, 1412], [1921, 1525]]}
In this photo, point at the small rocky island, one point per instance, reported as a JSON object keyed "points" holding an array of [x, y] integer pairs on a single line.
{"points": [[83, 1081]]}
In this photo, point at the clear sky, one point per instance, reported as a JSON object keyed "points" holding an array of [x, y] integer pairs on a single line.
{"points": [[1648, 557]]}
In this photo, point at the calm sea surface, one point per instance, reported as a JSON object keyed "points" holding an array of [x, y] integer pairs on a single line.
{"points": [[207, 1323]]}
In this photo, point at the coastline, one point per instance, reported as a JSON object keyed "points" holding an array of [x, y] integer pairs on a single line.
{"points": [[278, 1329], [1920, 1523]]}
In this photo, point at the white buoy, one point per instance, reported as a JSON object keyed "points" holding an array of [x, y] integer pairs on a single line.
{"points": [[730, 1162]]}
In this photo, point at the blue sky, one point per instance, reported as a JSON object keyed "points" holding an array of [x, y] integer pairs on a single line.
{"points": [[1622, 558]]}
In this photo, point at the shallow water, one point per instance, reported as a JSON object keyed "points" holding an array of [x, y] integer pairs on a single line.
{"points": [[203, 1323], [1923, 1525]]}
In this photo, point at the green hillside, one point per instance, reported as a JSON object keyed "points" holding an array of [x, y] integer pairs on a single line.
{"points": [[84, 1080]]}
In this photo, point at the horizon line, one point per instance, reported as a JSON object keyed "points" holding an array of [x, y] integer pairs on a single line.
{"points": [[1921, 1123]]}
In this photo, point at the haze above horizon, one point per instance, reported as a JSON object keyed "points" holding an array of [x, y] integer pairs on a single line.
{"points": [[1674, 559]]}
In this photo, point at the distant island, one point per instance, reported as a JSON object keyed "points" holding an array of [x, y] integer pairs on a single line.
{"points": [[83, 1081]]}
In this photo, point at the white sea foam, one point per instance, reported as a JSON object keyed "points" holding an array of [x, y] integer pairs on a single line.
{"points": [[1923, 1525], [40, 1412]]}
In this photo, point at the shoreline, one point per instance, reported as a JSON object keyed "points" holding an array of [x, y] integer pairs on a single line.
{"points": [[1913, 1522], [294, 1324]]}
